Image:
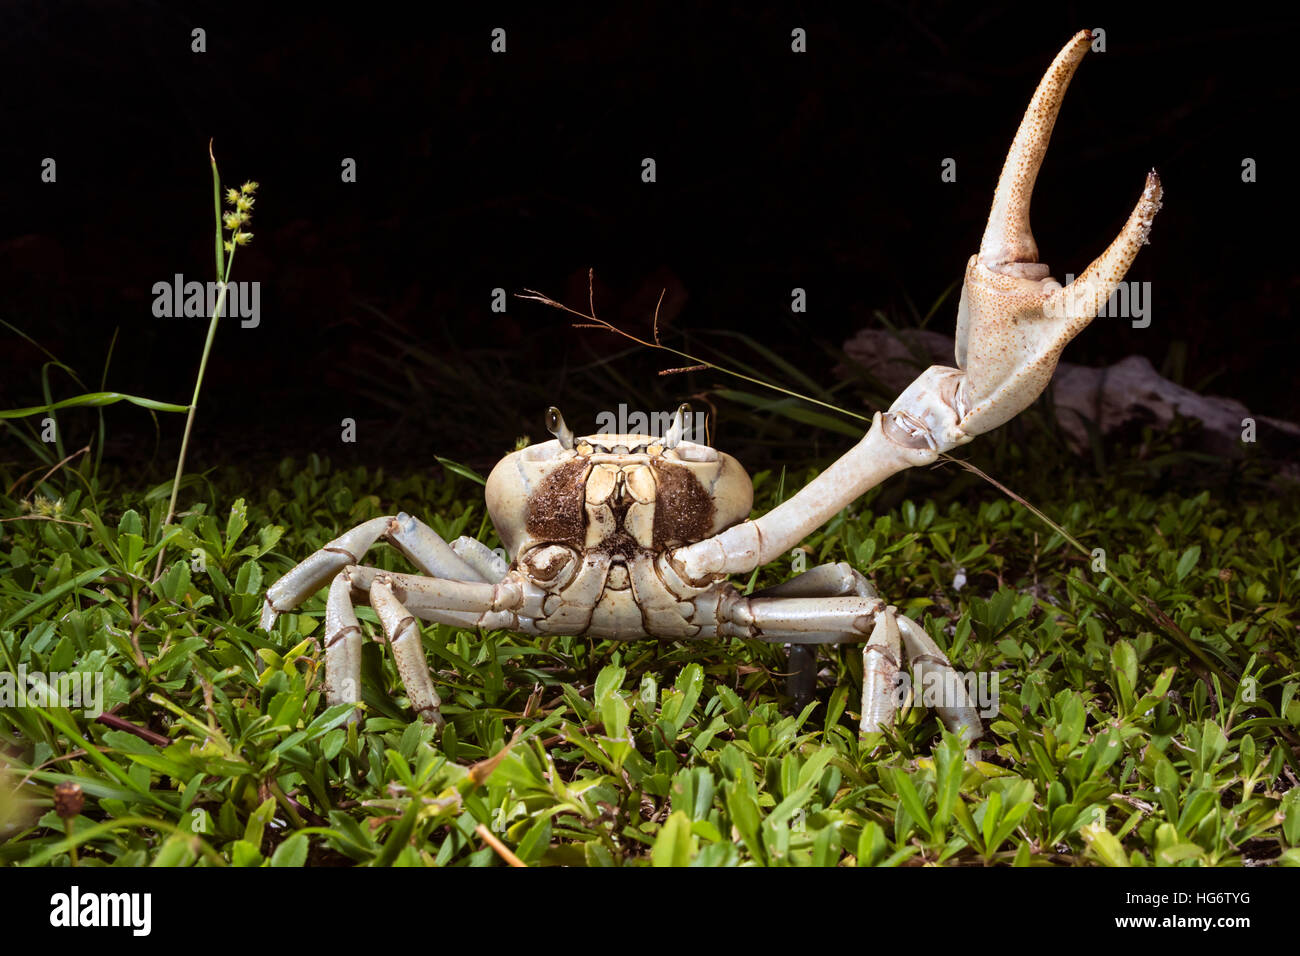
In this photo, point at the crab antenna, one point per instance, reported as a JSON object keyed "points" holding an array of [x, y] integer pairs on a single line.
{"points": [[555, 425], [678, 427]]}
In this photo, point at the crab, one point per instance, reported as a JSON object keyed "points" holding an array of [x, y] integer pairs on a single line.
{"points": [[630, 536]]}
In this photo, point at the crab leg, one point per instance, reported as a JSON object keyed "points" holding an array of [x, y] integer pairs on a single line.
{"points": [[954, 707], [398, 600], [343, 639], [857, 619], [427, 551], [308, 576], [457, 603], [486, 562], [342, 647], [880, 673], [806, 620], [404, 638], [420, 543], [827, 580], [750, 544]]}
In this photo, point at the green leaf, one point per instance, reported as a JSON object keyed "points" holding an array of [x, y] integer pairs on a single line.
{"points": [[688, 685], [93, 399], [55, 594], [1187, 562], [1124, 659], [950, 767], [400, 835], [463, 470], [1291, 816], [535, 841], [675, 844], [826, 847], [257, 821], [1198, 804], [1104, 844], [871, 844], [292, 852], [243, 853], [177, 850], [1213, 744], [911, 802], [745, 817], [811, 772], [235, 525]]}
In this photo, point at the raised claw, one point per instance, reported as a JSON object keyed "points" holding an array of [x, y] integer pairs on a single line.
{"points": [[1014, 319], [1012, 324]]}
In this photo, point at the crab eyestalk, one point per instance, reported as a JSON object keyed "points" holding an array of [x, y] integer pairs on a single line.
{"points": [[555, 425], [678, 427]]}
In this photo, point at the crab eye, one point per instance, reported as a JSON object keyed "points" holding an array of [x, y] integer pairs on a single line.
{"points": [[555, 425]]}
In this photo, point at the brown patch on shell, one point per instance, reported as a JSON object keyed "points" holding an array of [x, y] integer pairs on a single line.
{"points": [[619, 546], [684, 510], [556, 511]]}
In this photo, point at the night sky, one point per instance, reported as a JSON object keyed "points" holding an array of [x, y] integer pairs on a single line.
{"points": [[477, 171]]}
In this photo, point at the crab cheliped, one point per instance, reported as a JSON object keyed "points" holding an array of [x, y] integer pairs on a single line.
{"points": [[635, 536]]}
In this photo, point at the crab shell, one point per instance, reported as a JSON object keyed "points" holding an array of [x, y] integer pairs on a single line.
{"points": [[613, 496]]}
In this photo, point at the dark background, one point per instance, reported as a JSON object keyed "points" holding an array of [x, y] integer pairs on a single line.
{"points": [[522, 170]]}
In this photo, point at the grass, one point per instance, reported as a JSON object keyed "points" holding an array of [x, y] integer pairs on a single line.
{"points": [[1112, 744]]}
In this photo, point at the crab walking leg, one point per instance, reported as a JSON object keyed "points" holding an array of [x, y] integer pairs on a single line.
{"points": [[489, 565], [428, 551], [308, 576], [420, 543], [827, 580], [404, 638], [806, 620], [932, 670], [342, 647], [880, 673], [853, 619], [457, 603], [835, 620]]}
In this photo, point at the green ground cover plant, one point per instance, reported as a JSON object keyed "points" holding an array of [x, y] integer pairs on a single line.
{"points": [[1113, 743]]}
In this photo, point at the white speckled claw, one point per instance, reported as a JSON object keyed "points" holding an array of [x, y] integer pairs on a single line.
{"points": [[1014, 319]]}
